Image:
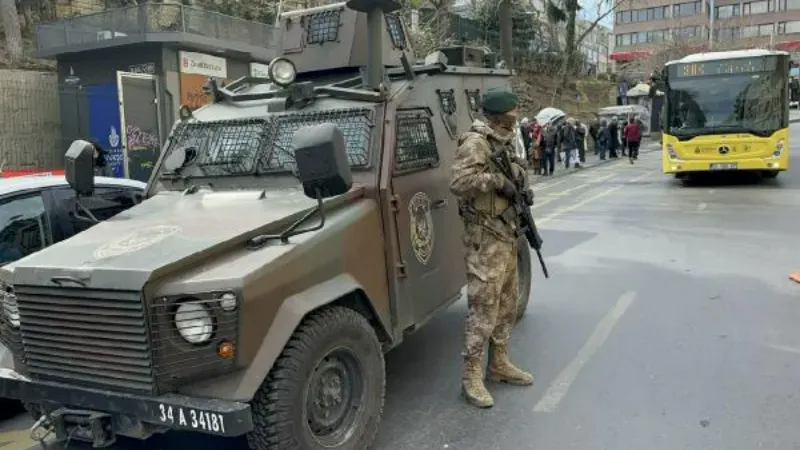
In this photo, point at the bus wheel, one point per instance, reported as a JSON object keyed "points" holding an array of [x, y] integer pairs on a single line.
{"points": [[326, 390], [770, 173]]}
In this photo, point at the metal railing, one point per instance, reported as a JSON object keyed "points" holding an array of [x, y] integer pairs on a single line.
{"points": [[136, 21]]}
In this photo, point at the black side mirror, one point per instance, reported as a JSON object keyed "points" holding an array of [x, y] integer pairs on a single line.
{"points": [[321, 158], [79, 167]]}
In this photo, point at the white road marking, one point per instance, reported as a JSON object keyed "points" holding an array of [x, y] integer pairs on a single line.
{"points": [[702, 207], [558, 389]]}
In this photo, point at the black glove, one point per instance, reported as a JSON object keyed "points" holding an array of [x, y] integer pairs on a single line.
{"points": [[527, 194], [509, 190]]}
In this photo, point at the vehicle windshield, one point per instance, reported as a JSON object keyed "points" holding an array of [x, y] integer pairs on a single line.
{"points": [[751, 102], [262, 145]]}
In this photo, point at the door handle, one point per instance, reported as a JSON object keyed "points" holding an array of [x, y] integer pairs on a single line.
{"points": [[439, 204]]}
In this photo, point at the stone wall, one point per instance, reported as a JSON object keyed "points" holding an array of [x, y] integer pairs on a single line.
{"points": [[30, 126]]}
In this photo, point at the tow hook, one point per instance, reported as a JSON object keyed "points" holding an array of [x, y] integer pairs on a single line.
{"points": [[41, 430]]}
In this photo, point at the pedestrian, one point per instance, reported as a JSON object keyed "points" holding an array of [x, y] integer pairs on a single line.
{"points": [[536, 153], [613, 143], [633, 137], [594, 129], [101, 167], [580, 130], [603, 140], [525, 133], [549, 148], [570, 145], [490, 238]]}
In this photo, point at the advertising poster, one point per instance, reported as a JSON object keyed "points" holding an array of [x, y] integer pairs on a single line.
{"points": [[104, 123], [195, 69]]}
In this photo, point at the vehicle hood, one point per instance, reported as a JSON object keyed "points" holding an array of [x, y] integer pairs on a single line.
{"points": [[167, 231]]}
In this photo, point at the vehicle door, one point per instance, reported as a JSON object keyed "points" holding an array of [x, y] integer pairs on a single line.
{"points": [[421, 203], [25, 225], [106, 202]]}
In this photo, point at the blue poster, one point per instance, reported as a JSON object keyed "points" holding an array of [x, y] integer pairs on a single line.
{"points": [[104, 123]]}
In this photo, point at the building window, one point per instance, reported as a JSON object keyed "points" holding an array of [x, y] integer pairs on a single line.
{"points": [[760, 7], [685, 9], [789, 27], [688, 32], [643, 15], [724, 12], [728, 33], [787, 5]]}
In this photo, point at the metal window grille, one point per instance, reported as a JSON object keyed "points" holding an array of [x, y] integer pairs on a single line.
{"points": [[221, 147], [394, 25], [323, 27], [355, 124], [416, 144], [447, 100]]}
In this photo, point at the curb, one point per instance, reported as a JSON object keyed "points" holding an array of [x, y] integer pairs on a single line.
{"points": [[563, 173]]}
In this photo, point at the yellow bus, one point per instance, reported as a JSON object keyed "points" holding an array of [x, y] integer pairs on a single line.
{"points": [[726, 111]]}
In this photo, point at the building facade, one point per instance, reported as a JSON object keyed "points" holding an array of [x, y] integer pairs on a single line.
{"points": [[643, 27]]}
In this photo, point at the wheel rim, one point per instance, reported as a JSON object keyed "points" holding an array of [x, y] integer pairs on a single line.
{"points": [[335, 393]]}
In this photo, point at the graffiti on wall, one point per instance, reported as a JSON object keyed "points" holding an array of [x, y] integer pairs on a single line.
{"points": [[139, 139], [192, 94]]}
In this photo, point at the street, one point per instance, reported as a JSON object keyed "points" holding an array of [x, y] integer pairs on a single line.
{"points": [[668, 322]]}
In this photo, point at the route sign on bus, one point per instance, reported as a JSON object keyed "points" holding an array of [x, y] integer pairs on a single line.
{"points": [[726, 66]]}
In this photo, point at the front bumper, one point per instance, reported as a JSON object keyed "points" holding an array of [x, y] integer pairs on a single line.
{"points": [[172, 411], [704, 165]]}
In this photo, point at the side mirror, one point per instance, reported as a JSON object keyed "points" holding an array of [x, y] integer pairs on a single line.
{"points": [[79, 167], [321, 158]]}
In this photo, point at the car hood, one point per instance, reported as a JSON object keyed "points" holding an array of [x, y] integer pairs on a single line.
{"points": [[167, 231]]}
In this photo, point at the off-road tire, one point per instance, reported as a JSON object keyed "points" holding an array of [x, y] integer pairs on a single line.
{"points": [[524, 261], [279, 408]]}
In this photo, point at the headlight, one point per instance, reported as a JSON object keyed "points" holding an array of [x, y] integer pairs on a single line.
{"points": [[778, 148], [671, 152], [282, 71], [228, 301], [194, 322], [10, 308]]}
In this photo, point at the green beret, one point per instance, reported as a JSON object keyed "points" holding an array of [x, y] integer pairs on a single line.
{"points": [[498, 101]]}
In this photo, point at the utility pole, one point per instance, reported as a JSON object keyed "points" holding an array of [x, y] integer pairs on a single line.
{"points": [[711, 25], [506, 48]]}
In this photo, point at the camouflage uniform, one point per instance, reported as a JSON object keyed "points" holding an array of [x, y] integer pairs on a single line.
{"points": [[491, 250]]}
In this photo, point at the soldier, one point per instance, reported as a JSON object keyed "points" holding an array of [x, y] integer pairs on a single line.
{"points": [[491, 244]]}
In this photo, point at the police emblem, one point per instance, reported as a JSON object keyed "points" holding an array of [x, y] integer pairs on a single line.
{"points": [[136, 241], [421, 219]]}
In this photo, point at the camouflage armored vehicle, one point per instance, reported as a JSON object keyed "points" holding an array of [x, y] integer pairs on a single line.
{"points": [[236, 300]]}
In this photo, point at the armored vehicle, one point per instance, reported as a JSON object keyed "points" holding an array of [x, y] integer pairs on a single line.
{"points": [[235, 299]]}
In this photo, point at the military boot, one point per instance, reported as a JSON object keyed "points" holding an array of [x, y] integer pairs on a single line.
{"points": [[501, 369], [472, 384]]}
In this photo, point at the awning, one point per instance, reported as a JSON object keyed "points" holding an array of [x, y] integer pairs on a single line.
{"points": [[627, 56], [791, 45]]}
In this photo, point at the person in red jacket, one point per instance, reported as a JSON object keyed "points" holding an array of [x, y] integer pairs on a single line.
{"points": [[633, 137]]}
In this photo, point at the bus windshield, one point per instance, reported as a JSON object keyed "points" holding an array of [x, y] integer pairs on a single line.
{"points": [[741, 103]]}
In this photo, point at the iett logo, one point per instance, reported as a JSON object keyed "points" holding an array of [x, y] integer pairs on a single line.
{"points": [[113, 137]]}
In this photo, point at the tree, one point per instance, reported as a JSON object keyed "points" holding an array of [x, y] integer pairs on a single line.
{"points": [[12, 29]]}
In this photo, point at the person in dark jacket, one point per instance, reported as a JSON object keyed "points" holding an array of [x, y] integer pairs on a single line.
{"points": [[594, 131], [101, 167], [525, 132], [549, 148], [603, 140], [570, 144], [633, 137], [613, 142], [580, 131]]}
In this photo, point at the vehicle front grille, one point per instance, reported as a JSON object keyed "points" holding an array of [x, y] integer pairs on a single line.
{"points": [[86, 337]]}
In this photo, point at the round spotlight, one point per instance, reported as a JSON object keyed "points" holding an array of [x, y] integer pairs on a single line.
{"points": [[282, 71]]}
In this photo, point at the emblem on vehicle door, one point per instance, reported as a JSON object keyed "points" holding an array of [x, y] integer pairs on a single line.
{"points": [[724, 150], [136, 241], [421, 220]]}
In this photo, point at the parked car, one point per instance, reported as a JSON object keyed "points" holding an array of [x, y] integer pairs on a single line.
{"points": [[38, 211]]}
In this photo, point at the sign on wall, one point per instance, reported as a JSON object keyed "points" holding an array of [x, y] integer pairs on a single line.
{"points": [[202, 64], [104, 123], [259, 70], [146, 68]]}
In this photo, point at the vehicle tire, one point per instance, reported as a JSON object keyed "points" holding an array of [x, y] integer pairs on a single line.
{"points": [[326, 389], [524, 277], [770, 174]]}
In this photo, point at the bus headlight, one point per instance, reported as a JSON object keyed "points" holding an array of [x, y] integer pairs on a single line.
{"points": [[778, 149], [671, 152]]}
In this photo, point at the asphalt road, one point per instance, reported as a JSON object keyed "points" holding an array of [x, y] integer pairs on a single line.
{"points": [[668, 323]]}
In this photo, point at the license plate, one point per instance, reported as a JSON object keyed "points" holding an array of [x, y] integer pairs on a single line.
{"points": [[724, 166], [191, 418]]}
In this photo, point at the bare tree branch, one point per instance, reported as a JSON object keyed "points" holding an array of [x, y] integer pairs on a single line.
{"points": [[600, 17]]}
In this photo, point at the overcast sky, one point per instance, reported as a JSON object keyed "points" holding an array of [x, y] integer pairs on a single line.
{"points": [[589, 11]]}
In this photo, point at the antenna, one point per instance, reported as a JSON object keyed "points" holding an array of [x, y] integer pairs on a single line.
{"points": [[375, 10]]}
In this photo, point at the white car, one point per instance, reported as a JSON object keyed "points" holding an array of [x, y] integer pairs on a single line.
{"points": [[36, 211]]}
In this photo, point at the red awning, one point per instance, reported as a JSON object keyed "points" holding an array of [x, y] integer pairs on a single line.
{"points": [[626, 56], [791, 45]]}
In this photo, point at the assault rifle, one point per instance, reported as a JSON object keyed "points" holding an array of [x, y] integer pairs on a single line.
{"points": [[521, 207]]}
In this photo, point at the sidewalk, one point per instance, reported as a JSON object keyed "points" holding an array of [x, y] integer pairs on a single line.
{"points": [[648, 145], [794, 115]]}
